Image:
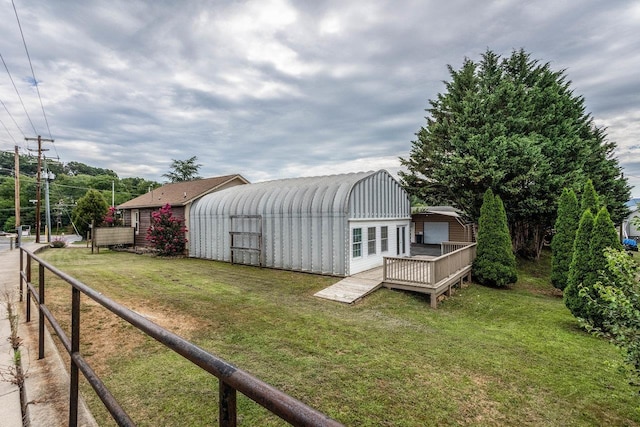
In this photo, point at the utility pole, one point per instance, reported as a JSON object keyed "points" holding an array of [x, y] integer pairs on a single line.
{"points": [[17, 185], [49, 176], [38, 179]]}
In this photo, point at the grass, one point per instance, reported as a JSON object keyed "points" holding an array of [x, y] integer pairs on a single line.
{"points": [[484, 357]]}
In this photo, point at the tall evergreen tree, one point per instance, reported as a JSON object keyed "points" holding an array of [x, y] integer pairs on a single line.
{"points": [[589, 199], [603, 236], [495, 263], [565, 234], [516, 126], [580, 268]]}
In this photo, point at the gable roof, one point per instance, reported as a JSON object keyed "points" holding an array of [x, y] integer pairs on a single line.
{"points": [[181, 193]]}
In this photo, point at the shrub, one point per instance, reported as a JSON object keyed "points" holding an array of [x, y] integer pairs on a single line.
{"points": [[495, 263], [58, 243], [110, 218], [616, 299], [167, 233]]}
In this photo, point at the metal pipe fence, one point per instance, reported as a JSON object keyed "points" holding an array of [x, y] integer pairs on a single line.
{"points": [[231, 379]]}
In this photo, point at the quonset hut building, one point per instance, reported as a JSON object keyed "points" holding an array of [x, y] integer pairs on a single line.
{"points": [[336, 225]]}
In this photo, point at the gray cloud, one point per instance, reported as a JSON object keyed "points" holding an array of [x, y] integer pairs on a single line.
{"points": [[276, 88]]}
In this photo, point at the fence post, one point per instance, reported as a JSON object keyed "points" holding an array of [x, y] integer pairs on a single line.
{"points": [[227, 410], [75, 348], [21, 270], [28, 289], [40, 312]]}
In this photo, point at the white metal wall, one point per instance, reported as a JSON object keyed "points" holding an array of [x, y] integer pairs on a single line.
{"points": [[305, 221], [368, 261]]}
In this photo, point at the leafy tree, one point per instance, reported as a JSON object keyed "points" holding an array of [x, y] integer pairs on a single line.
{"points": [[515, 126], [183, 170], [617, 302], [579, 269], [91, 207], [167, 233], [565, 234], [495, 263]]}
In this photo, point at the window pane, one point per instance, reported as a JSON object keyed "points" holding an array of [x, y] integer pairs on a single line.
{"points": [[371, 235], [384, 239], [356, 242]]}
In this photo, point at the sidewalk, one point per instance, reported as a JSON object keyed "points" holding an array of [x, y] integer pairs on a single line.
{"points": [[46, 386], [9, 393]]}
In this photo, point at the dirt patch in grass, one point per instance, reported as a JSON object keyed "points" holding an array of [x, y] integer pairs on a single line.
{"points": [[104, 335]]}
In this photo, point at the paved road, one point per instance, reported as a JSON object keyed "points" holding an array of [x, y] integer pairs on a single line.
{"points": [[70, 238]]}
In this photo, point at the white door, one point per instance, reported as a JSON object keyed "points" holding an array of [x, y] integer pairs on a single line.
{"points": [[436, 232], [135, 220], [401, 240]]}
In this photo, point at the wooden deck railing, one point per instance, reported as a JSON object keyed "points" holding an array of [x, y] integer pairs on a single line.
{"points": [[429, 272]]}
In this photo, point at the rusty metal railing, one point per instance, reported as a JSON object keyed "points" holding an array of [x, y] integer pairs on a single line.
{"points": [[231, 379]]}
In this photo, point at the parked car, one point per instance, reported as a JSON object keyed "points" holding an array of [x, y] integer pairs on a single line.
{"points": [[630, 245]]}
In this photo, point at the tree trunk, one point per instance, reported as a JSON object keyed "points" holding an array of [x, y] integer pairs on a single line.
{"points": [[527, 239]]}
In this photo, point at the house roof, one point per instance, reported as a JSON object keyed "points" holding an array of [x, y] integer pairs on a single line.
{"points": [[180, 193]]}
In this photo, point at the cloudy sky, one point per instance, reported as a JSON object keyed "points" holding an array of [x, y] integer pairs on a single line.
{"points": [[276, 88]]}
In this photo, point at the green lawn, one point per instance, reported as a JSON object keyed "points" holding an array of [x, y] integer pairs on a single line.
{"points": [[484, 357]]}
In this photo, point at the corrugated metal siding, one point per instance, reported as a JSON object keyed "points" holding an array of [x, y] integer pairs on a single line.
{"points": [[379, 196], [304, 220]]}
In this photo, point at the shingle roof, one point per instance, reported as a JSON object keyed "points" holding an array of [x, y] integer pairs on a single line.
{"points": [[180, 193]]}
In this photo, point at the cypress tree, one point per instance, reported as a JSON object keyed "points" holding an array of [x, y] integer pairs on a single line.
{"points": [[590, 199], [579, 268], [565, 234], [495, 263], [604, 235]]}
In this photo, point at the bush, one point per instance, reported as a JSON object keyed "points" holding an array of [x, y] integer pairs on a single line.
{"points": [[58, 243], [617, 303], [167, 233], [495, 263]]}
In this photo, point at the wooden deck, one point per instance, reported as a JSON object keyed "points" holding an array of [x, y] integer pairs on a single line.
{"points": [[434, 276], [425, 274]]}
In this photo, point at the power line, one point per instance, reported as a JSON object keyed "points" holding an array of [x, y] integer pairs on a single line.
{"points": [[35, 81], [20, 97], [9, 133]]}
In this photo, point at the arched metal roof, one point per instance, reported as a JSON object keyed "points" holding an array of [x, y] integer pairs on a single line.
{"points": [[322, 194]]}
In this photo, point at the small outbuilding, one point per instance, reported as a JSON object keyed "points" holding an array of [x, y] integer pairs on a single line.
{"points": [[137, 212], [437, 224], [336, 225]]}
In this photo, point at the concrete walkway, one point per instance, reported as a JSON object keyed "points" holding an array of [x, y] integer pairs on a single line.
{"points": [[352, 288], [46, 387], [9, 392]]}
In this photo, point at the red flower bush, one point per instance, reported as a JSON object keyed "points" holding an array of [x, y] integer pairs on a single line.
{"points": [[110, 218], [167, 233]]}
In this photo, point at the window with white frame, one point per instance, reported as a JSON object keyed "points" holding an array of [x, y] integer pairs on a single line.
{"points": [[371, 240], [356, 242], [384, 239]]}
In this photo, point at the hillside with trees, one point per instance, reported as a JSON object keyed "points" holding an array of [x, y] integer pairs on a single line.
{"points": [[72, 181]]}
